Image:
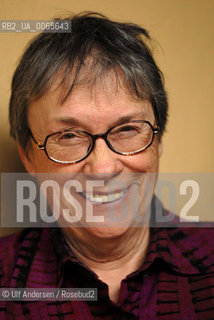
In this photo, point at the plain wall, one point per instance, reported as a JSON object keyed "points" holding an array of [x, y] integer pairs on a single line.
{"points": [[183, 31]]}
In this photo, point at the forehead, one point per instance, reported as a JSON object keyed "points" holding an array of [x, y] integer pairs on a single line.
{"points": [[91, 103]]}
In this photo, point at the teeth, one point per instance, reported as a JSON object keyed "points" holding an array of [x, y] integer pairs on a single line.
{"points": [[101, 198]]}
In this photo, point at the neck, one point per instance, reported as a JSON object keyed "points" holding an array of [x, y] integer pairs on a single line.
{"points": [[126, 250], [111, 258]]}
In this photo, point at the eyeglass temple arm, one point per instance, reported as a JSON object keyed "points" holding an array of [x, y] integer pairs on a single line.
{"points": [[39, 146], [156, 129]]}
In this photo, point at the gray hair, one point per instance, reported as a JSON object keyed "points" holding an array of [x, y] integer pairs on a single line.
{"points": [[112, 45]]}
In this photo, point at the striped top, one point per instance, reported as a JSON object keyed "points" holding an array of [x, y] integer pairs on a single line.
{"points": [[176, 280]]}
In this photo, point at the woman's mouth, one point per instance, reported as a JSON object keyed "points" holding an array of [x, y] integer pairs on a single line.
{"points": [[100, 198]]}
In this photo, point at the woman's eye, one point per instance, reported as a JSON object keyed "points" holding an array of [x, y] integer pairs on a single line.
{"points": [[68, 135], [127, 128]]}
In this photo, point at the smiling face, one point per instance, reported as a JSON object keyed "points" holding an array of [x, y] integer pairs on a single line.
{"points": [[94, 110]]}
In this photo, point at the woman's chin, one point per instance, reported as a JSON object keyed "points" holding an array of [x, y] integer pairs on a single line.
{"points": [[107, 232]]}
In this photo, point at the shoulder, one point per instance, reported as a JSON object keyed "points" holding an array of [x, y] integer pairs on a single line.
{"points": [[7, 245], [8, 249], [202, 233], [199, 236], [187, 246], [13, 247], [193, 248]]}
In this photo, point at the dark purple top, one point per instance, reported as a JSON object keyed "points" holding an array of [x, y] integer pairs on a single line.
{"points": [[176, 280]]}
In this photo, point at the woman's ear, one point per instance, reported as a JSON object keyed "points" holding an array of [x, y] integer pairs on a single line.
{"points": [[26, 160]]}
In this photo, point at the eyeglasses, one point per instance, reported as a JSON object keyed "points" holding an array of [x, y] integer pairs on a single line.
{"points": [[74, 145]]}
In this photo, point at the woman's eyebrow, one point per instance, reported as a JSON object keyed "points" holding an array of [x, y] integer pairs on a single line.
{"points": [[68, 120], [127, 118], [119, 121]]}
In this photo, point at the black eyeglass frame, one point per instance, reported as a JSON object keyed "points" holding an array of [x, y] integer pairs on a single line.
{"points": [[104, 135]]}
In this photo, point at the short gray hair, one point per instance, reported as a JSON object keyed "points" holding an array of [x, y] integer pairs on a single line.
{"points": [[112, 45]]}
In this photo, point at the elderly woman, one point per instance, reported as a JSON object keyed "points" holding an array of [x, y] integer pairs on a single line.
{"points": [[90, 105]]}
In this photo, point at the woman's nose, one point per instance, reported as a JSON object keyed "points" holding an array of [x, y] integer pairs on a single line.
{"points": [[103, 160]]}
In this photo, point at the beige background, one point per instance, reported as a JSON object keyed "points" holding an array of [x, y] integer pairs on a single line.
{"points": [[184, 49]]}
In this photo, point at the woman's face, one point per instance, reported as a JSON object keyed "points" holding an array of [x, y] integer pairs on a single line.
{"points": [[95, 110]]}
